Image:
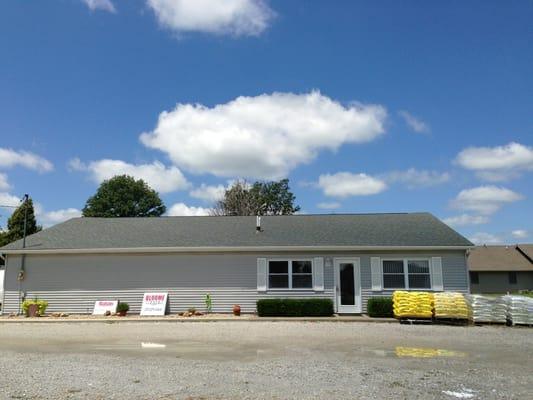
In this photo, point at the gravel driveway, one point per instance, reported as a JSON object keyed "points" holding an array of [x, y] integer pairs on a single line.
{"points": [[263, 360]]}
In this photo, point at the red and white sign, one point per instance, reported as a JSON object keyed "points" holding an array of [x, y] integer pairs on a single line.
{"points": [[102, 306], [154, 304]]}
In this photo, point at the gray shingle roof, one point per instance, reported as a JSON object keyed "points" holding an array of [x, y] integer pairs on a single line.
{"points": [[408, 229]]}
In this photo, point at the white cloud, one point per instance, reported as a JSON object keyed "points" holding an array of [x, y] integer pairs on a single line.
{"points": [[208, 193], [466, 219], [485, 200], [9, 200], [520, 233], [75, 164], [261, 137], [183, 209], [159, 177], [329, 206], [49, 218], [12, 158], [4, 184], [344, 184], [497, 176], [415, 178], [103, 5], [497, 163], [414, 123], [480, 238], [233, 17]]}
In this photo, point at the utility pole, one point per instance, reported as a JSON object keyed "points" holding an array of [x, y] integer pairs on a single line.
{"points": [[22, 271], [26, 197]]}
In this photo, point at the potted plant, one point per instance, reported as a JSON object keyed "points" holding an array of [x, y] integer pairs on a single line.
{"points": [[34, 308], [237, 310], [122, 309]]}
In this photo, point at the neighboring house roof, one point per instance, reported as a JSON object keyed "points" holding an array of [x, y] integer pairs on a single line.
{"points": [[498, 258], [526, 250], [180, 233]]}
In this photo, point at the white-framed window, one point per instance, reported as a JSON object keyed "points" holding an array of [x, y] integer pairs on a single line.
{"points": [[290, 274], [406, 273]]}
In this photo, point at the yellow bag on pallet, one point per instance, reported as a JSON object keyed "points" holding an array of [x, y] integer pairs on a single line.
{"points": [[450, 305], [412, 304]]}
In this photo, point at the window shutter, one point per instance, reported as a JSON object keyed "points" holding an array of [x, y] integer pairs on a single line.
{"points": [[376, 274], [318, 274], [261, 274], [436, 273]]}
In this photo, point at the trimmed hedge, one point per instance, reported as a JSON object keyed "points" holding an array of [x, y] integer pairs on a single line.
{"points": [[295, 307], [380, 307]]}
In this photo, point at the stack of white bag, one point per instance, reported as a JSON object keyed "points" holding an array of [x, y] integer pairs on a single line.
{"points": [[519, 309], [487, 309]]}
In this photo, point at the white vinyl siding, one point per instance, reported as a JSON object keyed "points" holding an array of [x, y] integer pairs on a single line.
{"points": [[72, 283]]}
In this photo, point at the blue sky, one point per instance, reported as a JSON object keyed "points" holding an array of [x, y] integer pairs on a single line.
{"points": [[378, 106]]}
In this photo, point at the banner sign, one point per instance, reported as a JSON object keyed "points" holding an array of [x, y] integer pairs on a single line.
{"points": [[154, 304], [102, 306]]}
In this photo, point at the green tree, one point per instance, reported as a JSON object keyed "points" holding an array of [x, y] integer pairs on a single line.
{"points": [[15, 223], [261, 198], [4, 239], [123, 196], [273, 198]]}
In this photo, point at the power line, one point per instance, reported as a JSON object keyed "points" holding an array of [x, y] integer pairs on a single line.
{"points": [[12, 206]]}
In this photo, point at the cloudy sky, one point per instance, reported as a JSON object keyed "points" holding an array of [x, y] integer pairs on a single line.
{"points": [[366, 106]]}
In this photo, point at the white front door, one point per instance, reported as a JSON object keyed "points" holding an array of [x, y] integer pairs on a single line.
{"points": [[348, 285]]}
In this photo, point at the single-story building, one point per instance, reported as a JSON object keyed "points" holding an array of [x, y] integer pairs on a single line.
{"points": [[238, 260], [500, 269]]}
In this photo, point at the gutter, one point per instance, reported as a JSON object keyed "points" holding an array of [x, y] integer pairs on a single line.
{"points": [[226, 249]]}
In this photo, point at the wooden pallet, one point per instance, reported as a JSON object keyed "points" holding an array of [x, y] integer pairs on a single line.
{"points": [[522, 325], [415, 321], [489, 323], [452, 321]]}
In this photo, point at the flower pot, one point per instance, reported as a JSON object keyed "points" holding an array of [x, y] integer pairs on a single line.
{"points": [[33, 310], [122, 313], [236, 310]]}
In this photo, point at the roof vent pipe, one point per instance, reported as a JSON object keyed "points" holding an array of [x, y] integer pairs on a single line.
{"points": [[258, 224]]}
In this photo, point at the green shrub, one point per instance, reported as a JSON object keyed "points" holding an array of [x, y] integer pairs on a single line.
{"points": [[123, 307], [41, 304], [380, 307], [295, 307]]}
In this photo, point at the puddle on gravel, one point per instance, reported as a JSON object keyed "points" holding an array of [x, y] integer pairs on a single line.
{"points": [[424, 352], [222, 351], [418, 352], [462, 394], [188, 350]]}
